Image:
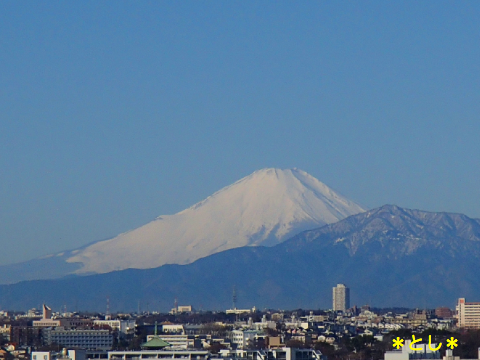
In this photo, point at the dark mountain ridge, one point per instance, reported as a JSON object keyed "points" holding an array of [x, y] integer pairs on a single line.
{"points": [[399, 231], [388, 256]]}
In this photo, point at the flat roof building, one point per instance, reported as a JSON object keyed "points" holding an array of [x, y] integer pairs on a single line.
{"points": [[84, 339], [159, 354], [468, 314], [405, 353]]}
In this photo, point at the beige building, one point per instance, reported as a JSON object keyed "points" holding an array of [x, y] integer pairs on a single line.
{"points": [[341, 298], [468, 314], [47, 320], [182, 309]]}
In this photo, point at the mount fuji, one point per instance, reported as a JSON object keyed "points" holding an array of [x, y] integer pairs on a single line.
{"points": [[265, 208], [389, 256]]}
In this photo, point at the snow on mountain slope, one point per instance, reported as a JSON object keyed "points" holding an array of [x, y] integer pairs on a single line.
{"points": [[264, 208]]}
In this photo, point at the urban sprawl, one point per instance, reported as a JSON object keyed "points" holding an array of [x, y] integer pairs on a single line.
{"points": [[345, 332]]}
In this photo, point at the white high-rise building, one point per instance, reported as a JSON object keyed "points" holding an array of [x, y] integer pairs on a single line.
{"points": [[341, 298], [468, 314]]}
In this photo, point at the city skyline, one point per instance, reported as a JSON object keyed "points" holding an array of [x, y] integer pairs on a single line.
{"points": [[240, 180]]}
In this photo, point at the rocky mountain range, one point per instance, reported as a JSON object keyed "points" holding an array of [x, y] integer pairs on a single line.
{"points": [[388, 256]]}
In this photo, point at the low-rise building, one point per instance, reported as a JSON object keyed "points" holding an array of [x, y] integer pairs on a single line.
{"points": [[444, 313], [264, 324], [122, 326], [181, 341], [241, 338], [84, 339], [274, 354], [449, 356], [159, 354], [278, 317], [241, 311], [405, 353], [48, 323], [63, 355], [173, 328], [182, 309]]}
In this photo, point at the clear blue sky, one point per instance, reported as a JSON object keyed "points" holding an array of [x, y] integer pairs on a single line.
{"points": [[115, 112]]}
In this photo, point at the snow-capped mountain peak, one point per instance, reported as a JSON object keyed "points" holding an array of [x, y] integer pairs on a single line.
{"points": [[263, 208]]}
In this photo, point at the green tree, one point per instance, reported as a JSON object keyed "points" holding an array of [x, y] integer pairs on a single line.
{"points": [[325, 348]]}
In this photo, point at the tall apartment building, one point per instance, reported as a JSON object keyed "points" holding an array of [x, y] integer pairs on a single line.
{"points": [[468, 314], [341, 298]]}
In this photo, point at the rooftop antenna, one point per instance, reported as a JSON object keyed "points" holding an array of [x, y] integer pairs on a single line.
{"points": [[234, 297], [107, 312]]}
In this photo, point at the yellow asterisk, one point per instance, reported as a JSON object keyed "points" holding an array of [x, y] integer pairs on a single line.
{"points": [[398, 343], [451, 343]]}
